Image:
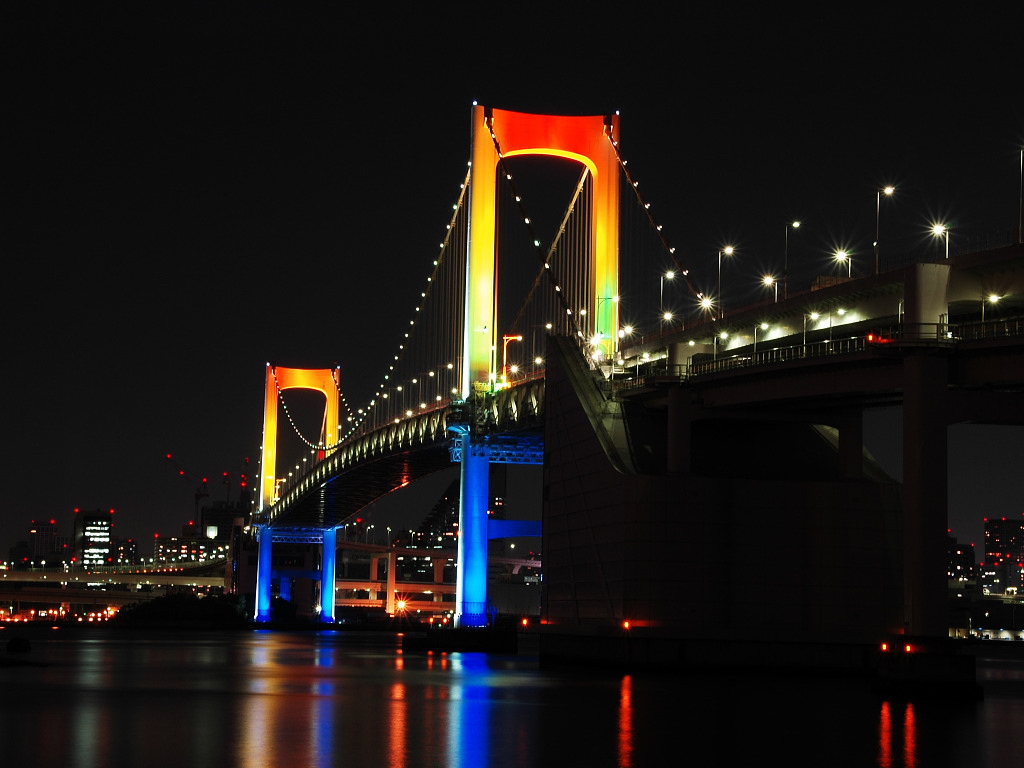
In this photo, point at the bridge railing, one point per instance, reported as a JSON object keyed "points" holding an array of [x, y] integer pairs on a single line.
{"points": [[903, 334], [991, 329]]}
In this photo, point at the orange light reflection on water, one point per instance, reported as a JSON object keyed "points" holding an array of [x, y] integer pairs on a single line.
{"points": [[887, 748], [626, 722]]}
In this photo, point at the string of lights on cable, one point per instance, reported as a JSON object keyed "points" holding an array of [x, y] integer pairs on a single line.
{"points": [[635, 186], [356, 420]]}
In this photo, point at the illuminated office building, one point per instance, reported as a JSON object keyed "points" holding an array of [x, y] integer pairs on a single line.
{"points": [[92, 536]]}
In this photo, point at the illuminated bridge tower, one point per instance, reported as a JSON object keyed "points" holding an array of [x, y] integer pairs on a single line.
{"points": [[499, 134], [279, 379]]}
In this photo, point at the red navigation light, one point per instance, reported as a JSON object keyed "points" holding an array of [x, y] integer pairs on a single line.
{"points": [[625, 624], [885, 647]]}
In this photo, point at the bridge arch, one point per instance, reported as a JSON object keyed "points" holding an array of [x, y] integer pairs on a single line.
{"points": [[279, 379], [583, 139]]}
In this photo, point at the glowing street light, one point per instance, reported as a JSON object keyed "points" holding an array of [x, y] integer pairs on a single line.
{"points": [[723, 336], [769, 281], [762, 326], [669, 275], [842, 256], [785, 260], [991, 299], [941, 230], [887, 191], [728, 251], [504, 355]]}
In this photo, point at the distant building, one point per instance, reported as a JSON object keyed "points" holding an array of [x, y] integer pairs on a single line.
{"points": [[962, 565], [42, 539], [124, 551], [1002, 570], [93, 532]]}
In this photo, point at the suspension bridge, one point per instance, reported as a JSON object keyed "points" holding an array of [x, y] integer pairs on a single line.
{"points": [[528, 347]]}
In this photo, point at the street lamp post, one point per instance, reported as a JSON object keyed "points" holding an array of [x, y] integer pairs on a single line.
{"points": [[887, 191], [842, 256], [728, 251], [723, 335], [941, 230], [785, 260], [770, 282], [504, 355], [762, 326], [598, 332], [992, 299], [669, 275]]}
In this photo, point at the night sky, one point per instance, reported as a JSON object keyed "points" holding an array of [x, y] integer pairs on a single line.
{"points": [[195, 191]]}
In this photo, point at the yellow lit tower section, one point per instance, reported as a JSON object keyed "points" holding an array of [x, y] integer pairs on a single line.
{"points": [[585, 139], [279, 379]]}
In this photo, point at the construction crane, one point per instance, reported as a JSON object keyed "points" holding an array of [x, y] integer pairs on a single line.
{"points": [[200, 492], [203, 482]]}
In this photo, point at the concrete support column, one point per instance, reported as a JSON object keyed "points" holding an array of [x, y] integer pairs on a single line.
{"points": [[925, 494], [392, 563], [679, 447], [439, 570], [285, 587], [328, 568], [263, 575], [851, 444], [471, 584]]}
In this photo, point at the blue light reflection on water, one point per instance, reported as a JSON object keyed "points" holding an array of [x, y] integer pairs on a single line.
{"points": [[109, 699]]}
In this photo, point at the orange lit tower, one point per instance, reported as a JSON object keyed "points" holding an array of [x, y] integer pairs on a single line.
{"points": [[584, 139], [279, 379], [499, 134]]}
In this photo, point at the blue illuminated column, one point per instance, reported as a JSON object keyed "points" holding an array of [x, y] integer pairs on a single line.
{"points": [[263, 574], [471, 584], [328, 562]]}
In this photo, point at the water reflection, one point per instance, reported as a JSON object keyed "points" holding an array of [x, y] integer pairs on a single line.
{"points": [[265, 699], [891, 736], [626, 722]]}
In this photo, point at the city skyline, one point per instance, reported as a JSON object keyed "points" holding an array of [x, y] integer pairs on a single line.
{"points": [[194, 198]]}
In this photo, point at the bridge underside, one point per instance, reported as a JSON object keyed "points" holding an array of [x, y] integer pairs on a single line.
{"points": [[333, 502], [760, 532]]}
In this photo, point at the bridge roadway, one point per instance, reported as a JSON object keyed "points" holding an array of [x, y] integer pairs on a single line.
{"points": [[940, 348], [936, 306]]}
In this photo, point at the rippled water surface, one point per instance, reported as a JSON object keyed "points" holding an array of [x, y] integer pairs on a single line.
{"points": [[102, 698]]}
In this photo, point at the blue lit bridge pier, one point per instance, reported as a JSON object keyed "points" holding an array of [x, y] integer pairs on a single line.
{"points": [[321, 530], [267, 536], [477, 443]]}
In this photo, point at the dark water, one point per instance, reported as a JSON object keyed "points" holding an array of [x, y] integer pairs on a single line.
{"points": [[102, 698]]}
